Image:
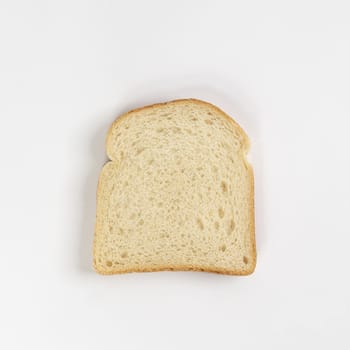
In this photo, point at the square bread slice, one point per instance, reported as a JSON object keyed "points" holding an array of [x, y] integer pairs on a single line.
{"points": [[177, 193]]}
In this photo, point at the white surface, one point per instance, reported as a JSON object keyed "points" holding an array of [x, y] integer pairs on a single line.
{"points": [[68, 68]]}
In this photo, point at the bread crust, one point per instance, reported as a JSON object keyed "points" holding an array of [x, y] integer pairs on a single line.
{"points": [[245, 149]]}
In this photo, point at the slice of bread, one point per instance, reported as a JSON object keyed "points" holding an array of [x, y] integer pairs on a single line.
{"points": [[177, 194]]}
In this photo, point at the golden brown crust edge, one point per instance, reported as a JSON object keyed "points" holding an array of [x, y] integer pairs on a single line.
{"points": [[177, 269], [252, 210]]}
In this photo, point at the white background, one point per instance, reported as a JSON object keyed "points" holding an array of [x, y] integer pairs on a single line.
{"points": [[68, 68]]}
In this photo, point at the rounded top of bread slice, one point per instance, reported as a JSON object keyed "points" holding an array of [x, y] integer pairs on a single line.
{"points": [[173, 112]]}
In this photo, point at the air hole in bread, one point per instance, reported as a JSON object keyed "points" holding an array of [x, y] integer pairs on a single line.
{"points": [[200, 223], [109, 263], [140, 150], [223, 186], [124, 255], [245, 260], [231, 226], [208, 121], [222, 247], [221, 213]]}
